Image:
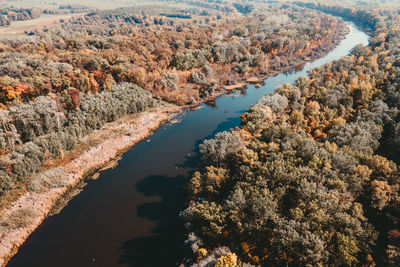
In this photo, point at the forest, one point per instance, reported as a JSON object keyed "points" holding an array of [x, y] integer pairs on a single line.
{"points": [[311, 178], [61, 83]]}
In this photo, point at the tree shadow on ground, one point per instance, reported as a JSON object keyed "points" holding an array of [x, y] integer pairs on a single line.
{"points": [[165, 246]]}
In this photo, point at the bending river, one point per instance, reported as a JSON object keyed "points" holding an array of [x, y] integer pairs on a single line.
{"points": [[130, 215]]}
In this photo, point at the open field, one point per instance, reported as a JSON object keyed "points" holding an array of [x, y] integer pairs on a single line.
{"points": [[100, 4], [17, 28]]}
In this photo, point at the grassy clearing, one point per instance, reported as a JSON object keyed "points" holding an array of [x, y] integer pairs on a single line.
{"points": [[48, 180], [17, 28], [100, 4], [19, 219]]}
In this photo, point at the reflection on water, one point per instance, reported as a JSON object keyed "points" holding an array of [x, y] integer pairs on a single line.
{"points": [[130, 215]]}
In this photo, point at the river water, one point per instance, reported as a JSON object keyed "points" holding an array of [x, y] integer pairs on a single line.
{"points": [[129, 216]]}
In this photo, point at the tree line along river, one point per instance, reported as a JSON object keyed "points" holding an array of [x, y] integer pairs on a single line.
{"points": [[130, 214]]}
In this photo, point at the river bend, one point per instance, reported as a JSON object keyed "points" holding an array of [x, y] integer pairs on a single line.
{"points": [[129, 216]]}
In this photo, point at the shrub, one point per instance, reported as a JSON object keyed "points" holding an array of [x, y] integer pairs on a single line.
{"points": [[169, 80], [19, 219], [276, 102], [185, 61], [35, 118], [27, 160], [6, 182], [216, 150], [197, 77], [53, 178]]}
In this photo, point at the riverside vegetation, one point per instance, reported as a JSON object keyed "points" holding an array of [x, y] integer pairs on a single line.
{"points": [[312, 176], [290, 187], [63, 82]]}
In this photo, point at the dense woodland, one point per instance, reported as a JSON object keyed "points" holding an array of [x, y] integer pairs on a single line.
{"points": [[61, 83], [312, 176], [194, 52]]}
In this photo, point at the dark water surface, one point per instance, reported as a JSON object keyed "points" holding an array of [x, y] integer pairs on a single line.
{"points": [[129, 216]]}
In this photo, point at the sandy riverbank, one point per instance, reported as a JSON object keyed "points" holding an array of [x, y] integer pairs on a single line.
{"points": [[22, 216]]}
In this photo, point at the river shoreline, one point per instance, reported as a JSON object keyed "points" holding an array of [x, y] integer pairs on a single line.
{"points": [[121, 135], [259, 80]]}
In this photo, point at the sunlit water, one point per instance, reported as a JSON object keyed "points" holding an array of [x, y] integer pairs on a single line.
{"points": [[130, 215]]}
